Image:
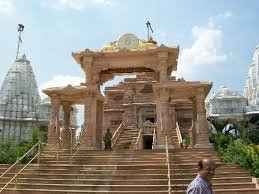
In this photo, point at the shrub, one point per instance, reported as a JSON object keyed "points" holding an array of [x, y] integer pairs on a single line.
{"points": [[237, 151], [39, 135], [221, 141], [251, 134], [9, 150]]}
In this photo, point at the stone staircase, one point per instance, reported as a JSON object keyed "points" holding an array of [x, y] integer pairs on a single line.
{"points": [[173, 139], [127, 139], [228, 179], [125, 171], [122, 171], [4, 167]]}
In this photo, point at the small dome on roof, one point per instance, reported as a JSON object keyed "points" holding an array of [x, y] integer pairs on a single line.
{"points": [[225, 92]]}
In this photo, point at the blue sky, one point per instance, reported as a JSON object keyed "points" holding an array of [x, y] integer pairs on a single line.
{"points": [[217, 38]]}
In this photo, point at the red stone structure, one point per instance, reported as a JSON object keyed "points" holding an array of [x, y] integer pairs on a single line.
{"points": [[170, 105]]}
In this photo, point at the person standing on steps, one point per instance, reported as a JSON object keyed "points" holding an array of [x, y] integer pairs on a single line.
{"points": [[202, 183], [108, 140]]}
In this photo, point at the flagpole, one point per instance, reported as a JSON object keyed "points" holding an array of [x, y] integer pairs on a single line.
{"points": [[20, 29]]}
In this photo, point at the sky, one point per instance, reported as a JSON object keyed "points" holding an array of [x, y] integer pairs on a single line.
{"points": [[217, 39]]}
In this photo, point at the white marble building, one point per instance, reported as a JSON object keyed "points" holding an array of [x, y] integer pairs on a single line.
{"points": [[226, 103], [251, 90], [21, 108]]}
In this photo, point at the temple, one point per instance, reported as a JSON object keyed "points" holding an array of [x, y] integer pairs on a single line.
{"points": [[150, 107], [231, 105], [21, 107]]}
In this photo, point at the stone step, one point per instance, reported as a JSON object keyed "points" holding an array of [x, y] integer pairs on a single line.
{"points": [[110, 156], [218, 170], [104, 181], [104, 152], [220, 186], [106, 158], [226, 191], [108, 162], [215, 180], [47, 191], [75, 176], [127, 137], [117, 168], [124, 171], [217, 174], [93, 187], [190, 160]]}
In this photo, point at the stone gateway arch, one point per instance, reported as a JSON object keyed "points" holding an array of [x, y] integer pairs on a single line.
{"points": [[174, 101]]}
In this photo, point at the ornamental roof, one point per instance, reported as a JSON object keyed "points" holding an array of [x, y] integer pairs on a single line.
{"points": [[225, 92], [130, 42], [19, 92]]}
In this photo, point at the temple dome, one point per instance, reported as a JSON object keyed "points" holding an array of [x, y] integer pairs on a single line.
{"points": [[225, 92], [19, 92]]}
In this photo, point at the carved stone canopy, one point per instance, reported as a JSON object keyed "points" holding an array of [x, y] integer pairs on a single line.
{"points": [[182, 91], [74, 94], [98, 64]]}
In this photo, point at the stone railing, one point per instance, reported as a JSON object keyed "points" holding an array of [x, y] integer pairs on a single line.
{"points": [[139, 140], [116, 134], [179, 135]]}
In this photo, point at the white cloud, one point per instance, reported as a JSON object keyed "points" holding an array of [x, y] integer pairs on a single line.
{"points": [[60, 80], [206, 51], [6, 6], [222, 16], [77, 5]]}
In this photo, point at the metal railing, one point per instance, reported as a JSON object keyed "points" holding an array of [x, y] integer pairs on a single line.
{"points": [[116, 134], [18, 161], [179, 135], [168, 166], [71, 151]]}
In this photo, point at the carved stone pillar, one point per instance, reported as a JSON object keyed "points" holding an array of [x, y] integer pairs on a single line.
{"points": [[99, 124], [88, 62], [163, 73], [52, 128], [88, 138], [163, 57], [162, 116], [135, 116], [194, 118], [202, 129], [66, 132], [172, 115]]}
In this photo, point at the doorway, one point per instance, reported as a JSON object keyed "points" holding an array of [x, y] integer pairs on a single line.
{"points": [[151, 119], [147, 141]]}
